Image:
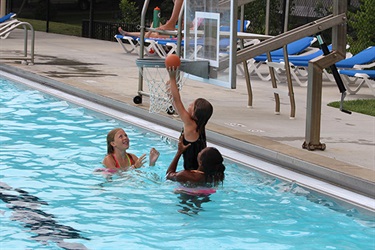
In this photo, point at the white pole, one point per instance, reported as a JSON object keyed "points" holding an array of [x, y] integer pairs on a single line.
{"points": [[267, 29], [3, 4]]}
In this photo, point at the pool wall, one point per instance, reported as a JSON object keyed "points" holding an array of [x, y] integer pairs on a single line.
{"points": [[296, 164]]}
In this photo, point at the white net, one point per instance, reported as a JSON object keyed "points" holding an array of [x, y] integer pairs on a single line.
{"points": [[157, 82]]}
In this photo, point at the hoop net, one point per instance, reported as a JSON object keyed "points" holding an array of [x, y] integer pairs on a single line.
{"points": [[156, 76]]}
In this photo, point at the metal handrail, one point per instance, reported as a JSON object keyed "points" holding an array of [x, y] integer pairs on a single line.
{"points": [[26, 56]]}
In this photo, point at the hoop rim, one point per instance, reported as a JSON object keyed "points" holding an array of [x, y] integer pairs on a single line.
{"points": [[155, 62]]}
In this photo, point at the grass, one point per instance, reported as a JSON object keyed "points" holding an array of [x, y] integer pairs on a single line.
{"points": [[363, 106], [55, 27]]}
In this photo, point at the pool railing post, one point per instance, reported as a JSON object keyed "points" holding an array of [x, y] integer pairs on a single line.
{"points": [[315, 70]]}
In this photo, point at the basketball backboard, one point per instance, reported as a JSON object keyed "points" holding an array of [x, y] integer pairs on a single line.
{"points": [[209, 36]]}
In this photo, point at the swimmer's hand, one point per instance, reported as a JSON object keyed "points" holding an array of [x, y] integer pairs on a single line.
{"points": [[181, 147], [154, 155], [140, 161], [172, 71]]}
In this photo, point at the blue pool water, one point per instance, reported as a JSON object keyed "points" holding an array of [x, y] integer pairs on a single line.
{"points": [[52, 200]]}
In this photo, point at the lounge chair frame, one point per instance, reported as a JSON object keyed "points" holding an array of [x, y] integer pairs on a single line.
{"points": [[355, 79], [7, 27], [152, 46], [299, 64]]}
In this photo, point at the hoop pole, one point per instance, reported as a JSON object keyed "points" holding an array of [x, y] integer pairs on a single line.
{"points": [[142, 46], [179, 29]]}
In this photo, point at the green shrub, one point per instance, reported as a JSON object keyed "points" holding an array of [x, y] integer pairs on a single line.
{"points": [[130, 12], [256, 12], [361, 26]]}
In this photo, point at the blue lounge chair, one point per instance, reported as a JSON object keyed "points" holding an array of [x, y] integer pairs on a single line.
{"points": [[358, 61], [361, 77], [7, 17], [166, 46], [7, 23], [293, 48], [364, 59], [306, 57], [128, 43], [153, 46], [163, 46], [295, 72]]}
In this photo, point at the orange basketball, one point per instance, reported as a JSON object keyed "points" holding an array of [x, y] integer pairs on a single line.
{"points": [[172, 61]]}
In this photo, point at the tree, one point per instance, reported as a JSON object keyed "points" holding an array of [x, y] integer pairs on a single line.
{"points": [[256, 12], [130, 12], [361, 26]]}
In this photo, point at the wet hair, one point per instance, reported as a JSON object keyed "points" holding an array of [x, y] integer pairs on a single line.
{"points": [[212, 164], [202, 113], [111, 138]]}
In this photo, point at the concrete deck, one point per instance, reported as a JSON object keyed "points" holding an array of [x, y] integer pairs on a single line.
{"points": [[102, 71]]}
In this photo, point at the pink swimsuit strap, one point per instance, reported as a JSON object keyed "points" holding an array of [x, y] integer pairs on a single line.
{"points": [[130, 160], [117, 164]]}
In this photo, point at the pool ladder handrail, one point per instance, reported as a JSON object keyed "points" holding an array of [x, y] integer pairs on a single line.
{"points": [[26, 56]]}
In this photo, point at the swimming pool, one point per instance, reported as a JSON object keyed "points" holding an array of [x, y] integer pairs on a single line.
{"points": [[52, 199]]}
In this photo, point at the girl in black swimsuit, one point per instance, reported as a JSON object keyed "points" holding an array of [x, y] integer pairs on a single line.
{"points": [[210, 172], [195, 118]]}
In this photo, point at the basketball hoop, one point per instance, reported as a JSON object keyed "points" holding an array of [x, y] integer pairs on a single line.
{"points": [[156, 76]]}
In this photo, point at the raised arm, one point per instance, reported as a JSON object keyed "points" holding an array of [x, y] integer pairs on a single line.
{"points": [[177, 102], [172, 174]]}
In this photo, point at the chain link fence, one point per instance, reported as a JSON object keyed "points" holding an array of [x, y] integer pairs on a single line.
{"points": [[105, 30], [312, 10]]}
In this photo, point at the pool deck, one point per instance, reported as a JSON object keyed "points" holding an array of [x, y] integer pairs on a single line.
{"points": [[102, 71]]}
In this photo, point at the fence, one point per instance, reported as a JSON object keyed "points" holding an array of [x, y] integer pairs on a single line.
{"points": [[105, 30], [301, 12], [316, 9]]}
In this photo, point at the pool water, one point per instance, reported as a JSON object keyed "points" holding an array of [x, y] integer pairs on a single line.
{"points": [[51, 199]]}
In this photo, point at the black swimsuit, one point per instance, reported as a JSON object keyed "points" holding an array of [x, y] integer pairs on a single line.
{"points": [[191, 153]]}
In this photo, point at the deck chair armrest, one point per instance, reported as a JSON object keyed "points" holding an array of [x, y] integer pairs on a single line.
{"points": [[364, 66], [277, 65], [250, 42]]}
